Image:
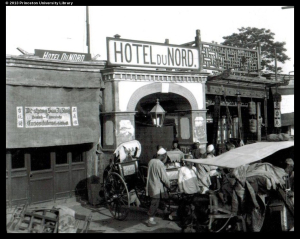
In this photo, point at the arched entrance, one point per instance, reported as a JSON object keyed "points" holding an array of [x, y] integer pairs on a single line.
{"points": [[176, 107]]}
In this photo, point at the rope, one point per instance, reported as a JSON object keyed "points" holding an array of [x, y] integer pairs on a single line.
{"points": [[224, 224]]}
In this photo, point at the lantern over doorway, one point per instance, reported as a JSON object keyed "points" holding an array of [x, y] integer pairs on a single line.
{"points": [[157, 115]]}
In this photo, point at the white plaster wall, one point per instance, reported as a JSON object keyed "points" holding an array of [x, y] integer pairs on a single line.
{"points": [[196, 89], [126, 89], [287, 104]]}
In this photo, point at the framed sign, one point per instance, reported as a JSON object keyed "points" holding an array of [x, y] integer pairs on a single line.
{"points": [[123, 52], [37, 117]]}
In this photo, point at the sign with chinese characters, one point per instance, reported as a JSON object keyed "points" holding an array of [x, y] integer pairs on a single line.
{"points": [[148, 54], [62, 55], [74, 116], [277, 114], [36, 117], [20, 119]]}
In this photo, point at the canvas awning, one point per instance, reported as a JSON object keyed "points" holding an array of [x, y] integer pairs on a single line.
{"points": [[244, 155], [51, 107]]}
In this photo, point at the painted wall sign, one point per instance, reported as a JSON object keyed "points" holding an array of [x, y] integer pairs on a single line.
{"points": [[199, 130], [36, 117], [125, 131], [62, 55], [148, 54]]}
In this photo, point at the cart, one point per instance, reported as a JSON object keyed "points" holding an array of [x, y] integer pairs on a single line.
{"points": [[247, 165], [125, 180], [124, 184]]}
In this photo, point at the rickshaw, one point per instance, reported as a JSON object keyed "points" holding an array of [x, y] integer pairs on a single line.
{"points": [[246, 164], [122, 178], [125, 180]]}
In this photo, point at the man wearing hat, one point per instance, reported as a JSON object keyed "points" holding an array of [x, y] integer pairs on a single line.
{"points": [[289, 169], [214, 174], [210, 151], [157, 178]]}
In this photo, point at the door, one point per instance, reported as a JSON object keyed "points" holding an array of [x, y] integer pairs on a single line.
{"points": [[62, 179], [41, 175], [150, 137], [17, 188]]}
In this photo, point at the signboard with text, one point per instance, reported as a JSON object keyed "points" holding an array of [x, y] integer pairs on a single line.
{"points": [[123, 52], [62, 55], [36, 117]]}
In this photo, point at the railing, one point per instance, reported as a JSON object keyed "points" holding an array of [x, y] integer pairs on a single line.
{"points": [[220, 57]]}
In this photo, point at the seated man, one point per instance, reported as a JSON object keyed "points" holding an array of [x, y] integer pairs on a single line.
{"points": [[187, 179]]}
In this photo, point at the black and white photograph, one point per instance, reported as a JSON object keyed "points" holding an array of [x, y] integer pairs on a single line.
{"points": [[149, 119]]}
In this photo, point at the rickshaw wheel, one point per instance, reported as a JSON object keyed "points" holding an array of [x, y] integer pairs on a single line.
{"points": [[117, 196]]}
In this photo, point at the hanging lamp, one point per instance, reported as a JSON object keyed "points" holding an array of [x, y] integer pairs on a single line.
{"points": [[157, 115]]}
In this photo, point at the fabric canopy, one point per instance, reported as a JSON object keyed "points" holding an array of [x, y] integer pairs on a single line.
{"points": [[244, 155]]}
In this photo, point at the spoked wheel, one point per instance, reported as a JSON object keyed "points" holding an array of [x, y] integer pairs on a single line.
{"points": [[116, 196]]}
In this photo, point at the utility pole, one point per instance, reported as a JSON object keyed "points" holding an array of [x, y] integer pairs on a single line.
{"points": [[88, 30]]}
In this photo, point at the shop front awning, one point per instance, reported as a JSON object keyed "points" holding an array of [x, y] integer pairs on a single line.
{"points": [[244, 155]]}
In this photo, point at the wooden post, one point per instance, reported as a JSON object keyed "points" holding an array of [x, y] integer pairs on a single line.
{"points": [[275, 67], [88, 30], [258, 59], [240, 119], [259, 121], [199, 45], [266, 113]]}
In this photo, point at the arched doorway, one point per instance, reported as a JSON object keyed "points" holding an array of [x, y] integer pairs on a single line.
{"points": [[149, 136]]}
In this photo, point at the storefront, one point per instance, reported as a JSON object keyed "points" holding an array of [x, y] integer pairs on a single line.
{"points": [[57, 111], [139, 74], [180, 77], [52, 127]]}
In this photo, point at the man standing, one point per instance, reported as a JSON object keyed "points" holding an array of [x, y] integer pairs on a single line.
{"points": [[187, 179], [157, 178]]}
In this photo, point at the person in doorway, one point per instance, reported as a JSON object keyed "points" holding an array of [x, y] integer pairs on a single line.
{"points": [[196, 150], [175, 146], [157, 180]]}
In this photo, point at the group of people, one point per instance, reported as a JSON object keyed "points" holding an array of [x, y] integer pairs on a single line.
{"points": [[191, 179], [194, 179]]}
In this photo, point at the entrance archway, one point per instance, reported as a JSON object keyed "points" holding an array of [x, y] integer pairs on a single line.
{"points": [[149, 136], [158, 88]]}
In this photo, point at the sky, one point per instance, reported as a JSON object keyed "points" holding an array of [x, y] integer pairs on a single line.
{"points": [[63, 28]]}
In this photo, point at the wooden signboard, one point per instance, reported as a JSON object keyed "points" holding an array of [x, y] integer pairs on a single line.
{"points": [[62, 55], [125, 52]]}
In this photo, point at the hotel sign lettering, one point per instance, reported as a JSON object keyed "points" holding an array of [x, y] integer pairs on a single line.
{"points": [[36, 117], [62, 55], [147, 54]]}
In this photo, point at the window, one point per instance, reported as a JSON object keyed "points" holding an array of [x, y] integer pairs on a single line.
{"points": [[77, 157], [61, 156], [17, 159], [40, 159]]}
